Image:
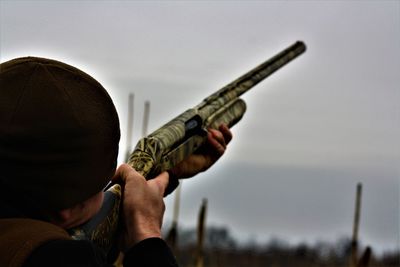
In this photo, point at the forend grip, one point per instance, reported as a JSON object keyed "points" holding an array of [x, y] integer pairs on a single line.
{"points": [[229, 114]]}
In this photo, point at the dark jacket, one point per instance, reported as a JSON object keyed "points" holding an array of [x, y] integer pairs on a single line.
{"points": [[27, 242], [34, 242], [152, 252]]}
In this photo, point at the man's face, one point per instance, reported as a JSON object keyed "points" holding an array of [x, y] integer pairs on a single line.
{"points": [[80, 213]]}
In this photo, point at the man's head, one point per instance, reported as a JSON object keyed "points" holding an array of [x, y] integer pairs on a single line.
{"points": [[59, 134]]}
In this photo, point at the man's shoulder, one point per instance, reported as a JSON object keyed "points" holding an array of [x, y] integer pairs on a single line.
{"points": [[19, 237]]}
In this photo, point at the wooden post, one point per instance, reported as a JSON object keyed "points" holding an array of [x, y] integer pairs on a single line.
{"points": [[172, 237], [201, 234], [356, 223], [130, 127], [146, 115], [366, 256]]}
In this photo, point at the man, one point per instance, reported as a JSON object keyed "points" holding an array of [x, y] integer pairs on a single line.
{"points": [[59, 135]]}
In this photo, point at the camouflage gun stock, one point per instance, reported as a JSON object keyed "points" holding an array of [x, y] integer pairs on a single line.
{"points": [[182, 136]]}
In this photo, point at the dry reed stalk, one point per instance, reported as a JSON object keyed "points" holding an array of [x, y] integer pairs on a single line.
{"points": [[356, 223], [199, 261], [172, 237], [146, 115], [364, 261], [130, 127]]}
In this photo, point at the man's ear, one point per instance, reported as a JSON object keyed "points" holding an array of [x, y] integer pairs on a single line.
{"points": [[64, 215], [79, 213]]}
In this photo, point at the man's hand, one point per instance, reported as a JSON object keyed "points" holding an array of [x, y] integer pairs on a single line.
{"points": [[142, 205], [206, 156]]}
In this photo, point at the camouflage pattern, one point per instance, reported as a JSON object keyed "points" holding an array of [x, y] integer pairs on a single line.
{"points": [[101, 229], [179, 138]]}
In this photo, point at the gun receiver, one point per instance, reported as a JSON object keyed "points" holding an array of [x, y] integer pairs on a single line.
{"points": [[181, 137]]}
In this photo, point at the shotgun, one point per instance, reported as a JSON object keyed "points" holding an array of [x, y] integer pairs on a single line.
{"points": [[179, 138]]}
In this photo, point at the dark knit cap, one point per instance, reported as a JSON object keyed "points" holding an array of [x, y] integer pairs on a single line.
{"points": [[59, 134]]}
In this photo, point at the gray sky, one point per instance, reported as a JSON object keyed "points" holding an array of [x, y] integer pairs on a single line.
{"points": [[313, 130]]}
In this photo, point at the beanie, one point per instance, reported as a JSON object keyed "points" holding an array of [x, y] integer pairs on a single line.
{"points": [[59, 134]]}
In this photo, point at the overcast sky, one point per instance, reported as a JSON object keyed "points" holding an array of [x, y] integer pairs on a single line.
{"points": [[313, 130]]}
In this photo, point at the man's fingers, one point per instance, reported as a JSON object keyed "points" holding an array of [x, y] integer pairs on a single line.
{"points": [[217, 135], [226, 132], [123, 172], [217, 142], [162, 181], [219, 139], [117, 176]]}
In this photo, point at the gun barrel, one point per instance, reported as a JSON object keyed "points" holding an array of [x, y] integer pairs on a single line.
{"points": [[256, 75], [150, 151]]}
